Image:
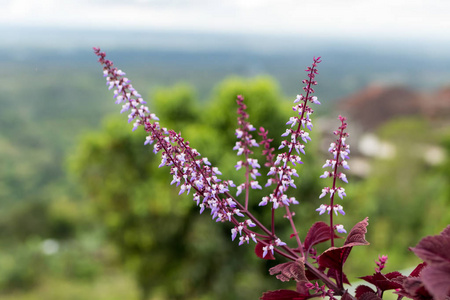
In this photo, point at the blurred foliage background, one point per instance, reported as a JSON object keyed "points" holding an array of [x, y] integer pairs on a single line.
{"points": [[85, 212]]}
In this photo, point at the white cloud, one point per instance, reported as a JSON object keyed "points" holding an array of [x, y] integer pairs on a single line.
{"points": [[352, 18]]}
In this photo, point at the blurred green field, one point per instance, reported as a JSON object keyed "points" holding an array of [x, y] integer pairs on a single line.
{"points": [[107, 287]]}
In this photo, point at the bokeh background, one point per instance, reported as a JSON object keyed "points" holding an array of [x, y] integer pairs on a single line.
{"points": [[86, 214]]}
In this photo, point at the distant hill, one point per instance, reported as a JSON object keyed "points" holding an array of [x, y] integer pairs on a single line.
{"points": [[204, 59], [376, 104]]}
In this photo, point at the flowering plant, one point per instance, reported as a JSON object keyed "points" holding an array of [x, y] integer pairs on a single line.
{"points": [[316, 274]]}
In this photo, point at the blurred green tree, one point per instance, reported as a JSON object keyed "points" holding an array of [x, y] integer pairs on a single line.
{"points": [[406, 194]]}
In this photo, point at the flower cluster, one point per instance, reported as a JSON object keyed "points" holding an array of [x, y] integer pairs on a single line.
{"points": [[193, 173], [381, 263], [280, 172], [340, 151], [246, 141], [268, 150], [124, 93], [189, 170], [320, 291]]}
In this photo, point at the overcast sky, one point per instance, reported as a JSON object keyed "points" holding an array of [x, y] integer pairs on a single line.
{"points": [[392, 19]]}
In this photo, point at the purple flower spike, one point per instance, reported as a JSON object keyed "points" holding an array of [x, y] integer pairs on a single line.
{"points": [[339, 151]]}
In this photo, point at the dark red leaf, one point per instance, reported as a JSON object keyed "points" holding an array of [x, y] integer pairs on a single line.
{"points": [[345, 279], [369, 296], [434, 249], [301, 288], [414, 274], [332, 274], [318, 233], [292, 269], [446, 232], [310, 275], [283, 295], [383, 282], [361, 289], [418, 269], [334, 258], [259, 252], [357, 235], [346, 296], [393, 275], [368, 278], [436, 278], [412, 287]]}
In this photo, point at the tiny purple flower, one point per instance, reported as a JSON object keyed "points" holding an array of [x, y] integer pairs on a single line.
{"points": [[326, 174], [279, 243], [322, 209], [314, 100], [340, 209], [340, 228], [264, 201], [255, 185], [233, 233]]}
